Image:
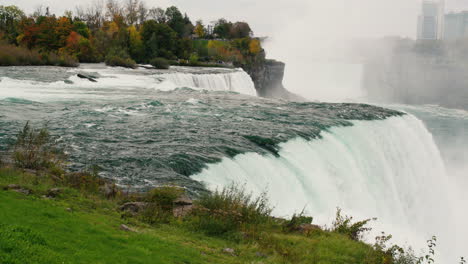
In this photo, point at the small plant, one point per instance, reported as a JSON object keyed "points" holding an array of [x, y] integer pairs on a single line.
{"points": [[344, 225], [296, 222], [429, 257], [231, 210], [160, 63], [194, 59], [37, 150], [87, 180], [161, 204], [120, 58]]}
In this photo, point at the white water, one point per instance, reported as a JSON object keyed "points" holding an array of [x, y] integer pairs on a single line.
{"points": [[126, 79], [388, 169], [239, 81]]}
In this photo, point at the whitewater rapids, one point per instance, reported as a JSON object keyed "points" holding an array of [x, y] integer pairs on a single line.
{"points": [[56, 83], [387, 169]]}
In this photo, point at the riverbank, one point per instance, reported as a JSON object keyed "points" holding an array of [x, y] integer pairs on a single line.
{"points": [[78, 226]]}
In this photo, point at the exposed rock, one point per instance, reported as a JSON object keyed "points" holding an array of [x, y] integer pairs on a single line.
{"points": [[109, 190], [89, 78], [13, 187], [229, 251], [69, 210], [19, 189], [54, 192], [261, 255], [134, 207], [267, 76], [182, 206], [308, 228], [23, 191], [126, 228], [182, 211], [183, 200]]}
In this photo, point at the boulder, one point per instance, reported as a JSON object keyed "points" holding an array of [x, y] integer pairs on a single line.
{"points": [[182, 206], [13, 187], [89, 78], [134, 207], [126, 228], [54, 192], [229, 251], [19, 189], [109, 190], [183, 200], [308, 228]]}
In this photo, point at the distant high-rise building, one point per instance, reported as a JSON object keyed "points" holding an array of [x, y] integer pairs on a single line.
{"points": [[431, 20], [456, 26]]}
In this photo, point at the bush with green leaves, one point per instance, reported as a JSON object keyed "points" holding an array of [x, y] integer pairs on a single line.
{"points": [[296, 221], [160, 204], [160, 63], [230, 210], [37, 149], [343, 224], [120, 58]]}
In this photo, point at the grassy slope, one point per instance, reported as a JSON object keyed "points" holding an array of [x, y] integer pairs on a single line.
{"points": [[38, 230]]}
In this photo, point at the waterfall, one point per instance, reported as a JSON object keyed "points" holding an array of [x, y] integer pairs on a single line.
{"points": [[388, 169], [238, 81], [126, 80]]}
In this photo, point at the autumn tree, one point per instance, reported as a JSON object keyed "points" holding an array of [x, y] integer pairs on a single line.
{"points": [[136, 47], [199, 29]]}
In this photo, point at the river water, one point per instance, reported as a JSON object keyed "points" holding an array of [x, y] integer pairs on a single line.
{"points": [[205, 128]]}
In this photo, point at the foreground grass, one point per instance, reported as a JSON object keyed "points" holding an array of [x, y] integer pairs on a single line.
{"points": [[80, 227]]}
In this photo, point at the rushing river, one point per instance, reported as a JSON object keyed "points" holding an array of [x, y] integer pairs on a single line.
{"points": [[206, 128]]}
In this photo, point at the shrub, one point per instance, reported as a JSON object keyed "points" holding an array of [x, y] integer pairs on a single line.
{"points": [[344, 225], [296, 221], [120, 58], [230, 210], [161, 204], [37, 150], [11, 55], [61, 59], [160, 63], [88, 180], [194, 58]]}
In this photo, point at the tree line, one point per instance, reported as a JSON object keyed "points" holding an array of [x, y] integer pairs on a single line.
{"points": [[126, 33]]}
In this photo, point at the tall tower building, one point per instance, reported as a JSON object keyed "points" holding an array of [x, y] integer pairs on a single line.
{"points": [[431, 20]]}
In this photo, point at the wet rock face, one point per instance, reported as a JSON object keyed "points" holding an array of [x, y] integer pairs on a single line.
{"points": [[267, 76]]}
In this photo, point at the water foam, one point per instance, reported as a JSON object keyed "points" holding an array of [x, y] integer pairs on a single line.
{"points": [[111, 79], [387, 169]]}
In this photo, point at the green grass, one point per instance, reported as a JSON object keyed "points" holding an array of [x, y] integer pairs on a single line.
{"points": [[34, 229]]}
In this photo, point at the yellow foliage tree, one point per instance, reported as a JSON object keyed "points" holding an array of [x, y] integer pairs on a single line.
{"points": [[255, 46], [199, 29]]}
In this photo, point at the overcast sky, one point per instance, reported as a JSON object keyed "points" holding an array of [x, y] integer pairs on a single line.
{"points": [[299, 31], [268, 16]]}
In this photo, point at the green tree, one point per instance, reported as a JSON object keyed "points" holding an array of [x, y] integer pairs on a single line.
{"points": [[175, 20], [10, 17], [81, 28], [159, 40], [222, 28], [240, 30]]}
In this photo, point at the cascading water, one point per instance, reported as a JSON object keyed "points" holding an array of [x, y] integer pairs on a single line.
{"points": [[387, 169], [238, 81], [56, 84]]}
